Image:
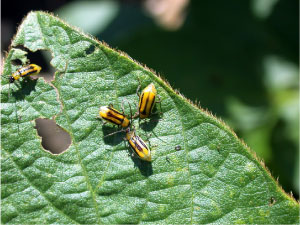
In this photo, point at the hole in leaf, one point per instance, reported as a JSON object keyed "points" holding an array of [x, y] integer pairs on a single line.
{"points": [[21, 47], [41, 58], [90, 50], [16, 62], [54, 138]]}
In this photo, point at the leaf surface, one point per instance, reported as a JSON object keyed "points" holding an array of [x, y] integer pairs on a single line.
{"points": [[200, 172]]}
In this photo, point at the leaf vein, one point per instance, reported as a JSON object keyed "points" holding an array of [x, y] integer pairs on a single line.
{"points": [[41, 193]]}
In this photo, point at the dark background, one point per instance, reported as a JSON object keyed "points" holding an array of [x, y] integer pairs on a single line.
{"points": [[238, 58]]}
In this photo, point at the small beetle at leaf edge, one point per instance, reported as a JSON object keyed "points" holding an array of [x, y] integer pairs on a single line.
{"points": [[146, 101], [25, 71]]}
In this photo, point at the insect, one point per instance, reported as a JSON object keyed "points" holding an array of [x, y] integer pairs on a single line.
{"points": [[25, 71], [111, 115], [146, 101], [177, 147], [138, 145]]}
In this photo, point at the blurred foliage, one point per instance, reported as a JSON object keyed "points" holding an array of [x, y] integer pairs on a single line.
{"points": [[97, 14]]}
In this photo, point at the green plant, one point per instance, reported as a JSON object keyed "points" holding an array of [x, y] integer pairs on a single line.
{"points": [[214, 177]]}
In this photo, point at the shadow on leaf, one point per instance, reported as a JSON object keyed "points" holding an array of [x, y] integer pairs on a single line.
{"points": [[26, 86], [114, 139], [151, 123], [144, 166]]}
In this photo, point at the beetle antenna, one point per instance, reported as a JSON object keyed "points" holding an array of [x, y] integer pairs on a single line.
{"points": [[114, 133]]}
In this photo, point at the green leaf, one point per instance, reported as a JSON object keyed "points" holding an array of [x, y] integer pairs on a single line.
{"points": [[214, 178]]}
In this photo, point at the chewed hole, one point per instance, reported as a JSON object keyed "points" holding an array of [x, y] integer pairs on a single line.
{"points": [[42, 58], [90, 50], [54, 138], [16, 62], [21, 47]]}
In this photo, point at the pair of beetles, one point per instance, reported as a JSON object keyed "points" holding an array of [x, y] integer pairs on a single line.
{"points": [[111, 115], [146, 104]]}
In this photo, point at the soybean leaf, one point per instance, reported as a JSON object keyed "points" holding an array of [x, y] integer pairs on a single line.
{"points": [[200, 171]]}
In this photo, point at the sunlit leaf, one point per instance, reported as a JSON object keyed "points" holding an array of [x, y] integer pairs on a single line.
{"points": [[200, 172]]}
